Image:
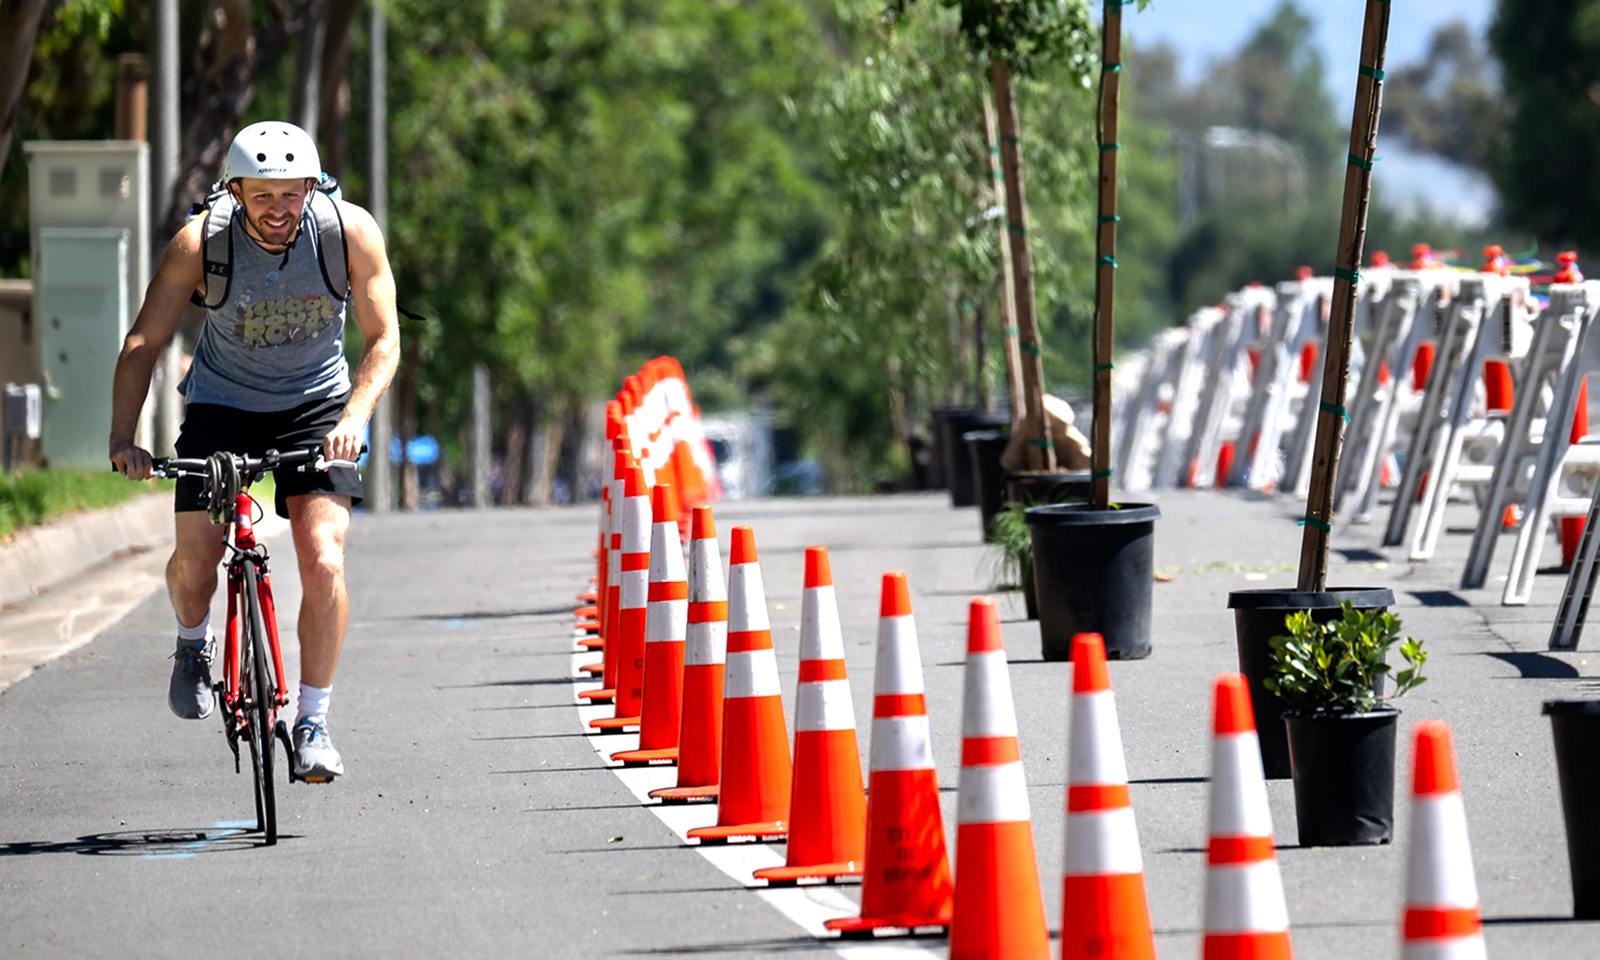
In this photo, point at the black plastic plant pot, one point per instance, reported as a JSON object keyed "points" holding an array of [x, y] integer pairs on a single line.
{"points": [[1036, 489], [1576, 726], [1093, 572], [957, 459], [984, 448], [1260, 615], [1343, 776]]}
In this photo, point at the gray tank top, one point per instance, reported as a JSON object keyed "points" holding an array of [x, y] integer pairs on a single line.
{"points": [[278, 341]]}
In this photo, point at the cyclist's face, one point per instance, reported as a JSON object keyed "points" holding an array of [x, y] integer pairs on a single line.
{"points": [[272, 206]]}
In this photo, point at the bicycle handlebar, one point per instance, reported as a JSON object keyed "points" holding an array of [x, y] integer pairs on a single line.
{"points": [[308, 460]]}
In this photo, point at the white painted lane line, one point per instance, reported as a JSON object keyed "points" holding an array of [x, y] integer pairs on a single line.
{"points": [[809, 906]]}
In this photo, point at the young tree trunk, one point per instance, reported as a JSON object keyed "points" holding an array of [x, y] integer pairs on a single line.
{"points": [[333, 113], [1008, 286], [1341, 319], [1105, 258], [19, 27], [518, 450], [980, 353], [547, 443], [308, 69], [1041, 453]]}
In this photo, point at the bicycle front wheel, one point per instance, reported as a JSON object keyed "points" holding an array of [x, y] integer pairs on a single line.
{"points": [[261, 696]]}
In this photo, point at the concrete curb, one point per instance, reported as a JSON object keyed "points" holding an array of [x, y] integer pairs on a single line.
{"points": [[45, 555]]}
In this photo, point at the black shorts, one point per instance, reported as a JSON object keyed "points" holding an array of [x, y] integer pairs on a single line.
{"points": [[209, 427]]}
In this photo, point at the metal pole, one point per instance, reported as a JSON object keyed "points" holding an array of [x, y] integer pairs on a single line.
{"points": [[164, 114], [480, 436], [1341, 320], [380, 472]]}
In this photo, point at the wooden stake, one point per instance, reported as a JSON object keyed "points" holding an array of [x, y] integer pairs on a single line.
{"points": [[1008, 286], [1041, 452], [1105, 257], [1341, 320]]}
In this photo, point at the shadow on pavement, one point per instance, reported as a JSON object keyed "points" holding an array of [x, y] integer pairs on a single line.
{"points": [[1539, 666], [173, 842]]}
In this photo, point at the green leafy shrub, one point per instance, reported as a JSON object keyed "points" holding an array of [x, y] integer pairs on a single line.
{"points": [[1336, 666], [1008, 533]]}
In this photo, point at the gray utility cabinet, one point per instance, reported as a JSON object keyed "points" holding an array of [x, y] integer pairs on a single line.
{"points": [[89, 210]]}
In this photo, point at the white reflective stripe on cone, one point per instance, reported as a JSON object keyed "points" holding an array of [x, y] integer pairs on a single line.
{"points": [[666, 621], [1440, 872], [820, 636], [986, 708], [1245, 898], [666, 557], [1096, 748], [635, 589], [1458, 948], [751, 673], [899, 666], [636, 525], [824, 705], [705, 644], [1238, 789], [901, 743], [705, 572], [747, 599], [993, 793], [1103, 842]]}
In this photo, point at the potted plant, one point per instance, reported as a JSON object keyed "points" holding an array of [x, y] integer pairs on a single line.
{"points": [[1341, 737], [1008, 532]]}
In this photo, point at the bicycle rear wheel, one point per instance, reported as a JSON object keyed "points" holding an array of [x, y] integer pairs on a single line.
{"points": [[261, 696]]}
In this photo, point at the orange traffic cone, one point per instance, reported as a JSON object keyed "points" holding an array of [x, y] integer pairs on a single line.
{"points": [[999, 905], [596, 628], [906, 877], [666, 623], [1246, 917], [1104, 912], [1441, 920], [828, 807], [609, 622], [705, 654], [756, 775], [629, 639]]}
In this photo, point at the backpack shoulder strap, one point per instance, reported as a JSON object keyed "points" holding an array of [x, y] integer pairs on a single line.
{"points": [[216, 248], [332, 248]]}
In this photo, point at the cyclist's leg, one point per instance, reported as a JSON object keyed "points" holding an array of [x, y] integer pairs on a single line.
{"points": [[319, 522], [192, 571]]}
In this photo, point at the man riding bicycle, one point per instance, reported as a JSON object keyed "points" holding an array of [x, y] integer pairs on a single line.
{"points": [[269, 372]]}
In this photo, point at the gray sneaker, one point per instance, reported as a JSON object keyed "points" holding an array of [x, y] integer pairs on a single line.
{"points": [[190, 695], [315, 760]]}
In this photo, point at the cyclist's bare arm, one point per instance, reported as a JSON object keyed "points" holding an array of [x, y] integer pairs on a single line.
{"points": [[372, 296], [182, 269]]}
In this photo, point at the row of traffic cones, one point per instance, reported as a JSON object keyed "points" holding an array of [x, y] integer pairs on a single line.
{"points": [[703, 689]]}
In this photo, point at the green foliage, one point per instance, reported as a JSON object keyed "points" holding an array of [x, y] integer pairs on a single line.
{"points": [[1013, 542], [1549, 56], [1448, 104], [29, 497], [1029, 34], [1336, 666]]}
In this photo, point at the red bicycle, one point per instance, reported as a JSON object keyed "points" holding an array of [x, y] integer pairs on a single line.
{"points": [[251, 689]]}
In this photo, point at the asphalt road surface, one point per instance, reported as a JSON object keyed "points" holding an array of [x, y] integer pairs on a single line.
{"points": [[477, 818]]}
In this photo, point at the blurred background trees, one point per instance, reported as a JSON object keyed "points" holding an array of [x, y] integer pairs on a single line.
{"points": [[792, 196]]}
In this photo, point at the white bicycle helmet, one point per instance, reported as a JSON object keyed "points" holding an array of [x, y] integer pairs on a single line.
{"points": [[272, 150]]}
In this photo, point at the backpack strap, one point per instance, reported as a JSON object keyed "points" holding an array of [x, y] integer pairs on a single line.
{"points": [[332, 249], [216, 248]]}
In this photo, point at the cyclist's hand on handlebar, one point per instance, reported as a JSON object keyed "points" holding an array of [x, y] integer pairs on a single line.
{"points": [[131, 461], [343, 442]]}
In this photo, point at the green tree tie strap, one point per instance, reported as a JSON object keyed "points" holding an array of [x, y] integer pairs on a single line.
{"points": [[1356, 161], [1110, 146], [1100, 473], [1340, 273], [1012, 331], [1036, 442], [1017, 228], [1099, 367], [1111, 219], [1314, 523], [1030, 349], [1109, 262], [1334, 409], [1372, 72], [1111, 68], [1006, 138]]}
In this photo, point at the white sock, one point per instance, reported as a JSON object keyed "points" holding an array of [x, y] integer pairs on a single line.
{"points": [[200, 631], [313, 703]]}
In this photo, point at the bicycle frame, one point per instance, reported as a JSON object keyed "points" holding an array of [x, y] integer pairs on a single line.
{"points": [[241, 539]]}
